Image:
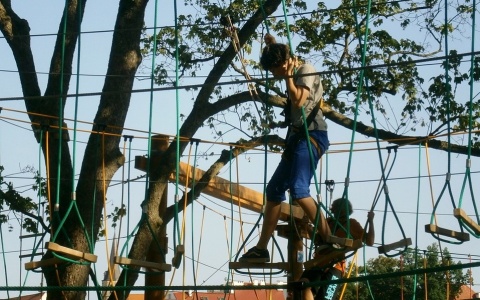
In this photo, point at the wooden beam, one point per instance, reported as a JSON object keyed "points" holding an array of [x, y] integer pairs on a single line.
{"points": [[220, 188]]}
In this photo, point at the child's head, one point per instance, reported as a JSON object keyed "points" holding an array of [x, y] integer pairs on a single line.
{"points": [[340, 207], [274, 54]]}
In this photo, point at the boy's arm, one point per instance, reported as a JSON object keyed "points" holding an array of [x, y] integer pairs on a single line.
{"points": [[298, 94]]}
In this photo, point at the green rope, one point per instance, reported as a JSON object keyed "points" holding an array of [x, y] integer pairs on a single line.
{"points": [[357, 102], [130, 138], [60, 109], [4, 259], [416, 218], [177, 107], [470, 126], [359, 91], [309, 147], [192, 207], [447, 185], [73, 204], [150, 116]]}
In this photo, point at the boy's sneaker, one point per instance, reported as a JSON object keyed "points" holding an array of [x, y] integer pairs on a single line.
{"points": [[255, 255]]}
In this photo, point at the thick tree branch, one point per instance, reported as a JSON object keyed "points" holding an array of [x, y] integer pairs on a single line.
{"points": [[400, 140]]}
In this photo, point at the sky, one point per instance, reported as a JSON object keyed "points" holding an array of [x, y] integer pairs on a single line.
{"points": [[211, 230]]}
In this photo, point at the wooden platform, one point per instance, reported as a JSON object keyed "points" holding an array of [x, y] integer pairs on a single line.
{"points": [[460, 236], [467, 221], [326, 258], [71, 253], [344, 242], [143, 264], [277, 266], [389, 247]]}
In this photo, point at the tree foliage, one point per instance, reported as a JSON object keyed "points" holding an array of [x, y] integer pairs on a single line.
{"points": [[429, 285]]}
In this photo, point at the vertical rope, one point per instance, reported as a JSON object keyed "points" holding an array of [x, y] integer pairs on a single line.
{"points": [[4, 260], [447, 186], [470, 126], [177, 108], [150, 113]]}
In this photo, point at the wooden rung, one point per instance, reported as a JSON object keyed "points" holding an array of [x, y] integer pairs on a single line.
{"points": [[32, 265], [142, 264], [71, 253], [344, 242], [461, 215], [177, 258], [389, 247], [325, 258], [461, 236], [247, 265]]}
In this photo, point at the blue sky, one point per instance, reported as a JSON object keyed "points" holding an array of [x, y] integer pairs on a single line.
{"points": [[18, 150]]}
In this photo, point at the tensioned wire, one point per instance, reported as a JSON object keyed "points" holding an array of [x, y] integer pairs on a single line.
{"points": [[403, 141]]}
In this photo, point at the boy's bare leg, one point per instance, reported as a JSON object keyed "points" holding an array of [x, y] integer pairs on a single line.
{"points": [[310, 208], [272, 214]]}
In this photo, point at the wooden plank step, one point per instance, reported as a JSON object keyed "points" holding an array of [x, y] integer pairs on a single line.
{"points": [[325, 258], [461, 236], [400, 244], [143, 264], [177, 258], [71, 253], [462, 215], [247, 265], [32, 265], [344, 242]]}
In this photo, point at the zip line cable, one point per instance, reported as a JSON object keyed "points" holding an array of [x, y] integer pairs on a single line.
{"points": [[193, 86]]}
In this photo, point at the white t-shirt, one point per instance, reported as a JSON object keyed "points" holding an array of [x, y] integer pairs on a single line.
{"points": [[314, 84]]}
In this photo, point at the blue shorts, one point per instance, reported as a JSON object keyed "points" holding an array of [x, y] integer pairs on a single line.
{"points": [[296, 172]]}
